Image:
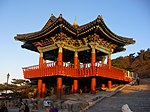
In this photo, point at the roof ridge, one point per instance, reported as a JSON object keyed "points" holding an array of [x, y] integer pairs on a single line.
{"points": [[50, 21]]}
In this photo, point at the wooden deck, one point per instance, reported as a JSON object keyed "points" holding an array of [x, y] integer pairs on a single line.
{"points": [[83, 70]]}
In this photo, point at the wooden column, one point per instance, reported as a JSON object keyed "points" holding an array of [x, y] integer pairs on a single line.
{"points": [[75, 86], [109, 84], [39, 88], [43, 90], [44, 62], [59, 87], [60, 56], [93, 60], [103, 85], [76, 65], [93, 85], [103, 60], [41, 61], [93, 57], [109, 61], [75, 59]]}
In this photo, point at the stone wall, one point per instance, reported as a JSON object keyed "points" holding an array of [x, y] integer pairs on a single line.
{"points": [[37, 104]]}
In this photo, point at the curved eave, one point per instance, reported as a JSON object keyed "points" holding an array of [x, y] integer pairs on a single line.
{"points": [[119, 49], [25, 37], [99, 25], [121, 41], [91, 26], [59, 24], [29, 47], [67, 25], [86, 28], [50, 21], [113, 36]]}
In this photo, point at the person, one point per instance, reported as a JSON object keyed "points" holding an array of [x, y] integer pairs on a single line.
{"points": [[80, 91], [3, 107], [30, 105], [47, 103], [21, 106], [26, 107], [138, 81], [53, 109]]}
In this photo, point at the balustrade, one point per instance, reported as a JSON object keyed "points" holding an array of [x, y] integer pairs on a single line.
{"points": [[68, 69]]}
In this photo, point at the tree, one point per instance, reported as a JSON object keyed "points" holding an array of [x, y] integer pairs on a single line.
{"points": [[23, 86], [19, 87], [139, 64]]}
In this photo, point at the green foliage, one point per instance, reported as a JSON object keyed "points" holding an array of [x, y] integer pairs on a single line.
{"points": [[19, 87]]}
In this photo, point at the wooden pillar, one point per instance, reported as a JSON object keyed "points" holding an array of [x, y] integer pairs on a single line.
{"points": [[93, 85], [75, 59], [109, 84], [59, 87], [43, 90], [76, 65], [75, 86], [103, 60], [109, 61], [103, 85], [93, 60], [41, 60], [93, 57], [44, 62], [60, 56], [39, 88]]}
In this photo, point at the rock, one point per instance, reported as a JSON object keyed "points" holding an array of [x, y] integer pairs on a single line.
{"points": [[125, 108]]}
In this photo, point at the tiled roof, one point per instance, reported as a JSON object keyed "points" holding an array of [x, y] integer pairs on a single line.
{"points": [[54, 24]]}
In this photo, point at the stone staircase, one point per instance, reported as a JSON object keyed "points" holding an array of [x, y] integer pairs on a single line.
{"points": [[137, 97]]}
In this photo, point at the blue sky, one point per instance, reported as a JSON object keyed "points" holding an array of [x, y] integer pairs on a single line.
{"points": [[129, 18]]}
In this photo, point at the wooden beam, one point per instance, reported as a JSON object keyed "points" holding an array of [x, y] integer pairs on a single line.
{"points": [[47, 48], [103, 49]]}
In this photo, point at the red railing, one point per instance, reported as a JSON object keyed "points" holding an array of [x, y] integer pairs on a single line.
{"points": [[68, 69]]}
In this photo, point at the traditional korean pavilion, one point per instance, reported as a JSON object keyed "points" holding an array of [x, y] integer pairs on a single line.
{"points": [[76, 55]]}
